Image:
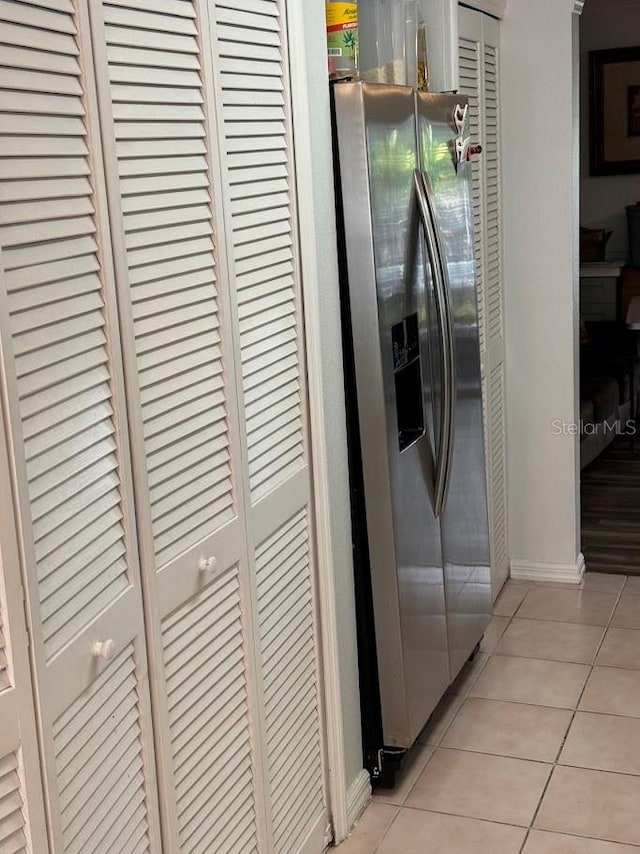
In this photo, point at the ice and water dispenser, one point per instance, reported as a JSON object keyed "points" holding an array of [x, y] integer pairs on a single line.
{"points": [[408, 381]]}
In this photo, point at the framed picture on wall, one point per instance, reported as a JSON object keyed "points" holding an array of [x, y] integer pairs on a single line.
{"points": [[615, 111], [634, 110]]}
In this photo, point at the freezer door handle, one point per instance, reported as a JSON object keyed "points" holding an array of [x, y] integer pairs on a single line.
{"points": [[450, 333], [445, 324]]}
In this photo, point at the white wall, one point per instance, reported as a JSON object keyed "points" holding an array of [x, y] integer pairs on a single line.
{"points": [[614, 23], [540, 173]]}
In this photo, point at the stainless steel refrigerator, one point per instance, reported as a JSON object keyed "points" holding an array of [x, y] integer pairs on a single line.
{"points": [[417, 467]]}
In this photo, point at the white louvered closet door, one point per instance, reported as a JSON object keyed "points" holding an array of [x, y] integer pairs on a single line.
{"points": [[228, 577], [22, 818], [248, 40], [479, 56], [156, 112], [68, 433]]}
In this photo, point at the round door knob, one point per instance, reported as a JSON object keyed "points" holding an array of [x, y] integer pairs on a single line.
{"points": [[104, 649], [207, 564]]}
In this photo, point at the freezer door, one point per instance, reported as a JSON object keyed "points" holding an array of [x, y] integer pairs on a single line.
{"points": [[442, 131], [387, 281]]}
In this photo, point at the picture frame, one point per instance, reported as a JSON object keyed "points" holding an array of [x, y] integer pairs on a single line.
{"points": [[614, 127]]}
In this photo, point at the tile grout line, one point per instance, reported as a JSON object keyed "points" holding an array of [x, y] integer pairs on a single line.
{"points": [[436, 746], [466, 696], [386, 832], [556, 762], [499, 821], [586, 838], [525, 840], [438, 743]]}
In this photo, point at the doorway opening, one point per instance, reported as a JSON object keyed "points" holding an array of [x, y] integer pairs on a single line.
{"points": [[609, 282]]}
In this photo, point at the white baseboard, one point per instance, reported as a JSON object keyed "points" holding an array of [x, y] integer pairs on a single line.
{"points": [[358, 796], [567, 573]]}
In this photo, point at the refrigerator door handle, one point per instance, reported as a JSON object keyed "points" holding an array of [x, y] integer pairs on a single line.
{"points": [[449, 333], [443, 311]]}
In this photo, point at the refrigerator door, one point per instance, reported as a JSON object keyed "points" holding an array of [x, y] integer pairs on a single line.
{"points": [[442, 131], [388, 276]]}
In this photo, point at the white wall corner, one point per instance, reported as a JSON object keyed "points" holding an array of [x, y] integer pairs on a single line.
{"points": [[567, 573], [540, 273], [358, 797]]}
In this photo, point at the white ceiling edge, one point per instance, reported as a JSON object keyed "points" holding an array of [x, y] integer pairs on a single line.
{"points": [[496, 8]]}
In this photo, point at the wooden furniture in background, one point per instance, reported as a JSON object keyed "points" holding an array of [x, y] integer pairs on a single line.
{"points": [[630, 287], [599, 284]]}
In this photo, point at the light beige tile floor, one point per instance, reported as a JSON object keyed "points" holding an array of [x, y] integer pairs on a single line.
{"points": [[535, 748], [627, 613]]}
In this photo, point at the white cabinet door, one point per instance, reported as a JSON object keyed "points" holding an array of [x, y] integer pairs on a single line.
{"points": [[22, 817], [161, 162], [253, 110], [204, 241], [152, 344], [479, 61], [68, 433]]}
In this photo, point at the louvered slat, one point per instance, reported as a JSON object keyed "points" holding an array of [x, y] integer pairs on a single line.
{"points": [[470, 83], [98, 749], [157, 96], [283, 572], [479, 79], [56, 307], [5, 681], [498, 487], [494, 296], [256, 137], [66, 426], [208, 719], [259, 191], [12, 820], [494, 302]]}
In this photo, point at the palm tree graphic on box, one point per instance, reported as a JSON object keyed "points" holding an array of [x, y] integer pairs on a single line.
{"points": [[350, 39]]}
